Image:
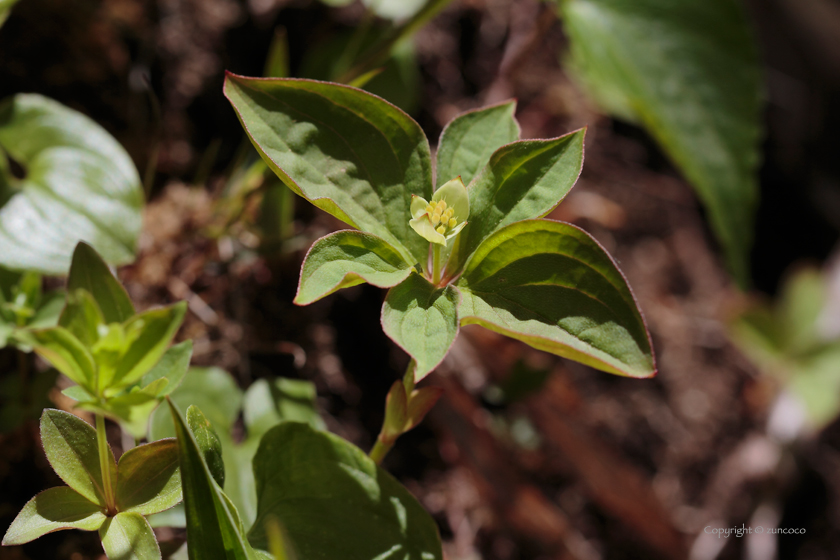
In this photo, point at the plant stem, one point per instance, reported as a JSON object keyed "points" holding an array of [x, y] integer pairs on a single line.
{"points": [[104, 462], [384, 444], [380, 449], [435, 264]]}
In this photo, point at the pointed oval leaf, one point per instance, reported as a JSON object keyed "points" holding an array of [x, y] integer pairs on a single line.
{"points": [[53, 510], [422, 320], [149, 480], [89, 272], [79, 184], [64, 351], [213, 526], [523, 180], [348, 152], [82, 317], [551, 285], [128, 536], [156, 328], [208, 443], [348, 258], [71, 448], [689, 72], [172, 367], [469, 140], [302, 474]]}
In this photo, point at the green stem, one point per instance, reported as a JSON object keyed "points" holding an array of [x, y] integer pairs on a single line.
{"points": [[380, 449], [435, 264], [105, 463], [384, 444]]}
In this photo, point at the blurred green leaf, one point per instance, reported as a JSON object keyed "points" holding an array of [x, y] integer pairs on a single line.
{"points": [[378, 518], [64, 351], [89, 272], [348, 258], [6, 9], [79, 184], [422, 320], [149, 479], [71, 448], [267, 404], [128, 536], [53, 510], [469, 140], [82, 317], [363, 167], [208, 443], [552, 286], [688, 72]]}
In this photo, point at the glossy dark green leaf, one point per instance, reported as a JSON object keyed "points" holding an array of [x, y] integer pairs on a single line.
{"points": [[523, 180], [303, 473], [88, 271], [551, 285], [128, 536], [213, 526], [689, 72], [422, 320], [71, 448], [53, 510], [79, 184], [149, 479], [267, 404], [469, 140], [82, 317], [64, 351], [350, 153], [153, 330], [348, 258], [208, 443]]}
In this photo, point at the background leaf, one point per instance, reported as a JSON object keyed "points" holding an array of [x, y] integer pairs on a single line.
{"points": [[523, 180], [422, 320], [469, 140], [348, 258], [70, 445], [5, 9], [350, 153], [90, 273], [689, 73], [53, 510], [64, 352], [302, 473], [149, 480], [172, 366], [267, 404], [79, 184], [551, 285], [128, 536]]}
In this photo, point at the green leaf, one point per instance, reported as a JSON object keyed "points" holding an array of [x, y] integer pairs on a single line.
{"points": [[522, 181], [149, 479], [53, 510], [551, 285], [302, 474], [154, 331], [64, 351], [6, 9], [348, 152], [48, 313], [208, 443], [213, 525], [395, 9], [348, 258], [79, 184], [82, 317], [213, 390], [689, 73], [469, 140], [71, 448], [90, 273], [172, 366], [128, 536], [131, 410], [422, 320], [267, 404]]}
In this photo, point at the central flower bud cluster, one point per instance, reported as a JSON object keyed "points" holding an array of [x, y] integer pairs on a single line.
{"points": [[441, 216]]}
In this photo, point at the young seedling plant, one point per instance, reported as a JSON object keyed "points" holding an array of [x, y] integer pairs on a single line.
{"points": [[469, 246]]}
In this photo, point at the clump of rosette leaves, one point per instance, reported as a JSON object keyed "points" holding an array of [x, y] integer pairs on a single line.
{"points": [[507, 268]]}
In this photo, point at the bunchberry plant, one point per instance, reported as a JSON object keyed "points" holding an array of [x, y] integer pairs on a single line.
{"points": [[452, 255]]}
